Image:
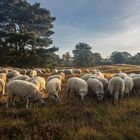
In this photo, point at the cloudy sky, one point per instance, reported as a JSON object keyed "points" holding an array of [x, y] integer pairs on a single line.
{"points": [[106, 25]]}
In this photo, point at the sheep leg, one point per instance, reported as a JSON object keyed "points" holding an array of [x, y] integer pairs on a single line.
{"points": [[27, 103], [7, 103], [13, 100]]}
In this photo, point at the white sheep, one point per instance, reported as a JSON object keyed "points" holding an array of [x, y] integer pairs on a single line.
{"points": [[38, 81], [129, 84], [104, 82], [86, 76], [116, 87], [96, 87], [12, 74], [21, 77], [78, 86], [3, 76], [60, 76], [23, 89], [2, 87], [68, 71], [53, 87], [120, 74]]}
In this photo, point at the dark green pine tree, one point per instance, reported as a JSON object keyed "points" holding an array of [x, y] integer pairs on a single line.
{"points": [[24, 30]]}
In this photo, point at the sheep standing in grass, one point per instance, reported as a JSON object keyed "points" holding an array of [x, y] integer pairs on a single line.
{"points": [[86, 76], [95, 87], [23, 89], [12, 74], [77, 71], [104, 82], [38, 81], [136, 87], [21, 77], [116, 87], [53, 87], [2, 87], [60, 76], [78, 86], [121, 74], [128, 86]]}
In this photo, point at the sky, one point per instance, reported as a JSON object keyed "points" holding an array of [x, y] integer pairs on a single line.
{"points": [[106, 25]]}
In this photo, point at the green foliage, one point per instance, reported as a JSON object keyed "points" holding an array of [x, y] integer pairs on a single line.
{"points": [[120, 57], [24, 28], [83, 55]]}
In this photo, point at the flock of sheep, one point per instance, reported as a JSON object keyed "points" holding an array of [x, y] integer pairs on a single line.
{"points": [[34, 84]]}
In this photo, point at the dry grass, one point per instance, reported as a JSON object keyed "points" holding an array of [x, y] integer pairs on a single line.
{"points": [[69, 119]]}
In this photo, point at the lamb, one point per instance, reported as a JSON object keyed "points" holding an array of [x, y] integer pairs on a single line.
{"points": [[53, 87], [128, 86], [86, 76], [21, 77], [38, 81], [23, 89], [77, 86], [116, 87], [96, 86], [2, 87]]}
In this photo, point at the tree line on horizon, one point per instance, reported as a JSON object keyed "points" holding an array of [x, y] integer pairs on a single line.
{"points": [[25, 39]]}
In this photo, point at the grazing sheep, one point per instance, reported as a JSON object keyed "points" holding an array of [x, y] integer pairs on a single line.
{"points": [[136, 87], [53, 86], [77, 71], [21, 77], [129, 84], [116, 87], [60, 76], [96, 87], [68, 71], [121, 74], [4, 70], [78, 86], [12, 74], [23, 71], [3, 76], [33, 73], [23, 89], [2, 87], [86, 70], [104, 82], [86, 76], [38, 81], [55, 71], [39, 71]]}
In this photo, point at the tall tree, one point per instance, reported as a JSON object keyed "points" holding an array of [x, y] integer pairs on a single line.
{"points": [[66, 58], [24, 28], [120, 57], [83, 55]]}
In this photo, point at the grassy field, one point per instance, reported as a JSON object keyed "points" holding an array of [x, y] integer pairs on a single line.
{"points": [[69, 119]]}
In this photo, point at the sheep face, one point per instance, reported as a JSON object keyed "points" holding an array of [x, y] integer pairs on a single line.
{"points": [[82, 93], [54, 95]]}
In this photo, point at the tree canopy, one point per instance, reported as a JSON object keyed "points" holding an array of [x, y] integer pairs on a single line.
{"points": [[83, 55], [24, 30]]}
